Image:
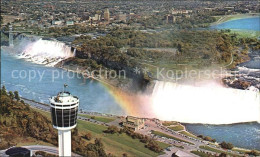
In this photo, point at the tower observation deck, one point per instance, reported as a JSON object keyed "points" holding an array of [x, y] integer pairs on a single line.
{"points": [[64, 110]]}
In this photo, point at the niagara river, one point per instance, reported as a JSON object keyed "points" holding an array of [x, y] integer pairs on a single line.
{"points": [[96, 98], [94, 95]]}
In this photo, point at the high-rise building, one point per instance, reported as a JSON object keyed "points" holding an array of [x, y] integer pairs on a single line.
{"points": [[107, 15], [64, 110]]}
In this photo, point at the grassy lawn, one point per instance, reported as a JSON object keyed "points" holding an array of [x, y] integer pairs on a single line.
{"points": [[98, 118], [217, 17], [117, 144], [246, 33], [178, 146], [168, 123], [163, 145], [188, 134], [168, 136], [133, 147], [211, 149], [215, 150], [201, 154], [177, 128], [90, 127], [241, 150]]}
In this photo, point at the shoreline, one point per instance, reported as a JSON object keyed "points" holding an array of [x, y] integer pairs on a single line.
{"points": [[227, 18], [228, 125]]}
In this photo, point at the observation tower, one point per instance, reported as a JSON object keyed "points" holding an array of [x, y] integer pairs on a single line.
{"points": [[64, 110]]}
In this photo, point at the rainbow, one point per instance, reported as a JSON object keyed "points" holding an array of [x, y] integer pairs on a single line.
{"points": [[134, 104], [190, 104]]}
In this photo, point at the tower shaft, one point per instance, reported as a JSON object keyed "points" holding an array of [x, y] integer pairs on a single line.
{"points": [[64, 142]]}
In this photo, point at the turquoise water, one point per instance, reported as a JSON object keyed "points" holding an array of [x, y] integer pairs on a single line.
{"points": [[240, 24], [245, 135], [93, 96]]}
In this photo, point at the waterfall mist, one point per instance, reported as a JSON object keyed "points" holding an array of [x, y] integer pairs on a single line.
{"points": [[46, 52], [208, 103]]}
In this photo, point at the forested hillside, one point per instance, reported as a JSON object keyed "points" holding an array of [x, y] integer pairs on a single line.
{"points": [[19, 121]]}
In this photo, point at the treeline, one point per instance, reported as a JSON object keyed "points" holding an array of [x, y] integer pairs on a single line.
{"points": [[226, 145], [193, 20], [68, 30], [195, 44], [207, 138], [149, 143], [196, 20], [120, 48], [44, 154], [81, 147], [126, 49], [18, 120]]}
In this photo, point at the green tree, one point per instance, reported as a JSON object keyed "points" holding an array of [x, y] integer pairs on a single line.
{"points": [[16, 95], [98, 142], [88, 136], [112, 129], [3, 91], [98, 148], [253, 153], [152, 145], [75, 132], [223, 155], [226, 145], [11, 94]]}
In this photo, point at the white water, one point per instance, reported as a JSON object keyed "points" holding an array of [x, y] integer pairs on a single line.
{"points": [[208, 104], [46, 52]]}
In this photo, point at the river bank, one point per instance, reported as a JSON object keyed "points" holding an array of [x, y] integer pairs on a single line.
{"points": [[230, 133], [226, 18]]}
